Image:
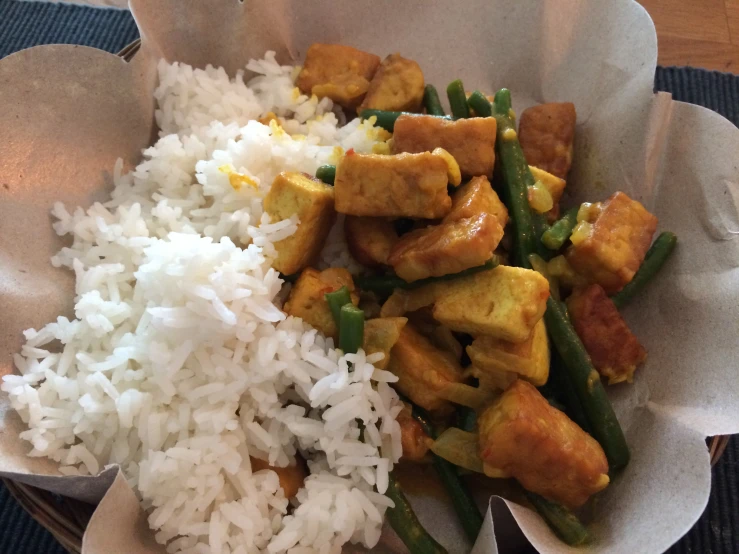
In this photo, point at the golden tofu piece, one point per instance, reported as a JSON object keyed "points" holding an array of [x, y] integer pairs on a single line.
{"points": [[446, 248], [291, 477], [470, 141], [370, 239], [307, 301], [380, 335], [397, 86], [404, 185], [614, 349], [505, 303], [341, 73], [476, 197], [294, 193], [547, 133], [413, 438], [521, 434], [423, 370], [528, 360], [609, 250]]}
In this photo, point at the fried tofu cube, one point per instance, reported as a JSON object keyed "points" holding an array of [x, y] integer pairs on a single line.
{"points": [[521, 434], [423, 370], [609, 249], [505, 303], [476, 197], [380, 335], [370, 239], [291, 477], [404, 185], [547, 133], [413, 438], [471, 141], [397, 86], [338, 72], [528, 360], [307, 301], [446, 248], [614, 349], [312, 201]]}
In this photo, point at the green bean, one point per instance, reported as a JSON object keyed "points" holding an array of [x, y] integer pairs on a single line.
{"points": [[431, 101], [563, 522], [579, 368], [466, 418], [388, 283], [336, 300], [405, 523], [482, 106], [588, 386], [555, 237], [458, 99], [326, 173], [468, 512], [654, 260], [351, 328], [517, 177], [559, 381], [386, 119]]}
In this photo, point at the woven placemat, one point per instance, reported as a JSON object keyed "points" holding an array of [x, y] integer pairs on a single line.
{"points": [[25, 24]]}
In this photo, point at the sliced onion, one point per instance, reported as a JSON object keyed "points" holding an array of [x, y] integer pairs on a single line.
{"points": [[464, 395]]}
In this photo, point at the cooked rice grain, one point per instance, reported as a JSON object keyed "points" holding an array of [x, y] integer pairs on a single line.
{"points": [[179, 364]]}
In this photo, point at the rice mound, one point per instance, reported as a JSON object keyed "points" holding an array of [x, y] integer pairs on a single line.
{"points": [[179, 364]]}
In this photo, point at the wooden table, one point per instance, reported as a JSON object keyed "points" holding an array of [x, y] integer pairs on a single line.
{"points": [[700, 33]]}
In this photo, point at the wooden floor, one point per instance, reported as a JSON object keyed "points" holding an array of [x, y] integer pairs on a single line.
{"points": [[701, 33]]}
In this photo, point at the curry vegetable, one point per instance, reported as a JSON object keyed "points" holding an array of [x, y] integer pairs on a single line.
{"points": [[457, 99], [326, 173], [555, 237], [653, 261], [431, 101], [469, 515]]}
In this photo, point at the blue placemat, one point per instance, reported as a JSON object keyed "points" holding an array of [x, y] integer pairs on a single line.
{"points": [[26, 24]]}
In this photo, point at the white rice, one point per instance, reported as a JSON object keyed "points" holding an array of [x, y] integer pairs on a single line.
{"points": [[179, 365]]}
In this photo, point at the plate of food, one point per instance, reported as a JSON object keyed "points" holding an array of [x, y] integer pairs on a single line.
{"points": [[305, 276]]}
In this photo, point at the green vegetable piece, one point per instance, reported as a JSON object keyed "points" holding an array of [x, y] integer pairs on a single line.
{"points": [[404, 522], [654, 260], [555, 237], [431, 101], [327, 174], [466, 418], [588, 386], [565, 391], [388, 283], [336, 300], [386, 119], [465, 506], [482, 106], [351, 328], [563, 522], [517, 178], [458, 99]]}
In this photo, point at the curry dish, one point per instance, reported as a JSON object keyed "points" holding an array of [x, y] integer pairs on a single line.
{"points": [[495, 301]]}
